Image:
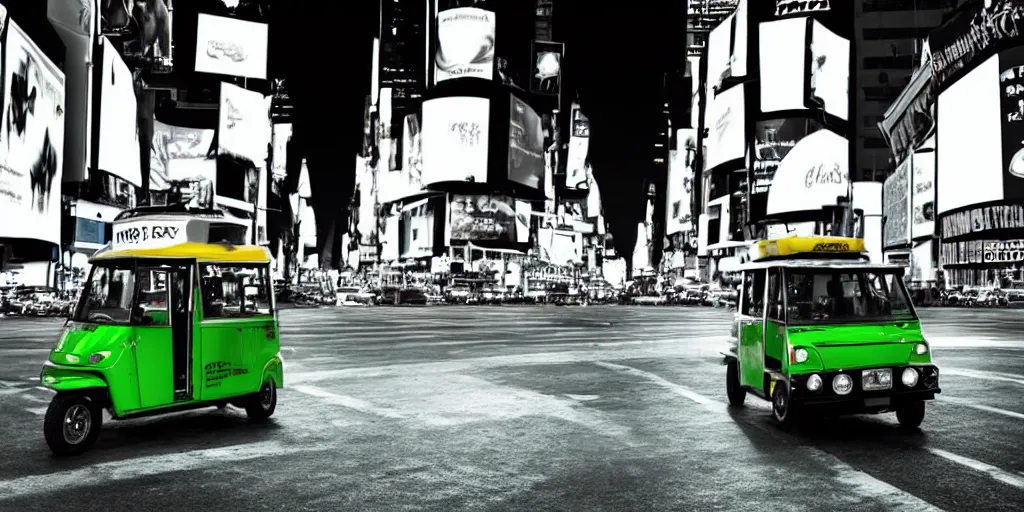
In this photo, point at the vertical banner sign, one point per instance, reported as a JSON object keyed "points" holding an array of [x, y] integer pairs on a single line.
{"points": [[546, 77], [1011, 81], [896, 207]]}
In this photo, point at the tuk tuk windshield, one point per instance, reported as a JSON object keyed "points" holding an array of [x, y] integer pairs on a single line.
{"points": [[107, 297], [830, 296]]}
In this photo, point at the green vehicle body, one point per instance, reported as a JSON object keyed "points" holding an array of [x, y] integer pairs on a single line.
{"points": [[762, 357], [128, 368]]}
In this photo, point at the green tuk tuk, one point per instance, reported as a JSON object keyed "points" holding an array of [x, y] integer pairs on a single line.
{"points": [[822, 330], [160, 330]]}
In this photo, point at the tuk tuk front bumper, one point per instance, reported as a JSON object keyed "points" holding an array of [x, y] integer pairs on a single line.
{"points": [[859, 400]]}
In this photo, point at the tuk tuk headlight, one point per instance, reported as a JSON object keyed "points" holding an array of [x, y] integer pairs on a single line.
{"points": [[814, 382], [921, 349], [842, 384], [97, 357], [910, 377], [800, 355]]}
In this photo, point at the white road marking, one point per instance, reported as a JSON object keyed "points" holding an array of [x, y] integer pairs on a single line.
{"points": [[997, 474], [863, 484], [967, 403], [38, 411], [682, 391], [983, 375], [348, 402], [129, 469], [582, 398], [12, 391]]}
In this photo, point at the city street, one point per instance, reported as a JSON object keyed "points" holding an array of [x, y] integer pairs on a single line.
{"points": [[528, 408]]}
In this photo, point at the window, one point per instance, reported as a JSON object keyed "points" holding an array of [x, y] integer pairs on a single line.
{"points": [[895, 33], [153, 297], [753, 293], [846, 296], [897, 62], [775, 296], [235, 291], [875, 143], [906, 5], [107, 298]]}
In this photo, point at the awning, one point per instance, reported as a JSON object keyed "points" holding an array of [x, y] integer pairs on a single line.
{"points": [[909, 120]]}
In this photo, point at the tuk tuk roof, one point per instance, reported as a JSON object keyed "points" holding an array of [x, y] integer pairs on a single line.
{"points": [[827, 264], [208, 253]]}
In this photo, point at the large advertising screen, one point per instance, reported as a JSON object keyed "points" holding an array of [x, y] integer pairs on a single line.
{"points": [[454, 139], [830, 72], [923, 195], [364, 212], [783, 53], [814, 173], [180, 155], [282, 134], [483, 218], [119, 134], [970, 168], [244, 129], [229, 46], [416, 230], [727, 49], [726, 138], [31, 142], [1011, 82], [680, 182], [773, 141], [465, 44], [144, 29], [408, 179], [525, 145], [896, 207]]}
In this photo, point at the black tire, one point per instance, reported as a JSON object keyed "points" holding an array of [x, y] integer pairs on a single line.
{"points": [[262, 404], [737, 395], [783, 409], [83, 418], [911, 415]]}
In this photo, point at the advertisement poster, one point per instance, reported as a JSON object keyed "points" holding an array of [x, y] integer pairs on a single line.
{"points": [[773, 140], [726, 137], [895, 210], [524, 212], [830, 72], [31, 141], [465, 44], [180, 156], [364, 216], [813, 175], [783, 43], [119, 134], [282, 135], [579, 145], [719, 52], [143, 30], [454, 139], [1011, 81], [525, 145], [956, 44], [923, 196], [800, 7], [547, 68], [244, 129], [483, 218], [680, 182], [229, 46], [416, 226]]}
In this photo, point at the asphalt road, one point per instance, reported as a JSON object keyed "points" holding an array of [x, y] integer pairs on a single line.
{"points": [[528, 408]]}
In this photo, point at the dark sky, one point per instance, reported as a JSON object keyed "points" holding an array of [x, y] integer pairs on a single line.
{"points": [[615, 59]]}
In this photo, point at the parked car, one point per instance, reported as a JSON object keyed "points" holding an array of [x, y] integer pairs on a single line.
{"points": [[356, 296]]}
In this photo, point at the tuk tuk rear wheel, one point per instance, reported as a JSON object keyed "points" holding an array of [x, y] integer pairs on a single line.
{"points": [[783, 409], [263, 404], [737, 395], [72, 424], [911, 415]]}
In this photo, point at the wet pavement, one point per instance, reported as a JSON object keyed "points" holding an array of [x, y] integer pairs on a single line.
{"points": [[528, 408]]}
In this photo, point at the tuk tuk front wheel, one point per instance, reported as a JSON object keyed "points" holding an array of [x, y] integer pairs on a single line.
{"points": [[72, 424], [782, 407], [911, 415], [737, 395], [262, 405]]}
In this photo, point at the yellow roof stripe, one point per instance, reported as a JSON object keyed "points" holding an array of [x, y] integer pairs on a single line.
{"points": [[214, 253]]}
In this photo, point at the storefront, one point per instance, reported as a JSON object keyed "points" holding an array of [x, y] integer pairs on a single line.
{"points": [[983, 246]]}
